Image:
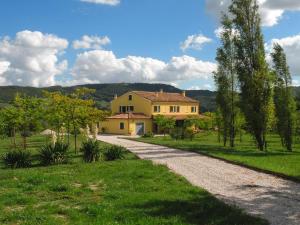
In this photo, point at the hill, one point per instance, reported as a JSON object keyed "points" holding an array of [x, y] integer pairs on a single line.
{"points": [[105, 92]]}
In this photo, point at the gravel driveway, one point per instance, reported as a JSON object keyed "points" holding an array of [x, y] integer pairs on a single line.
{"points": [[272, 198]]}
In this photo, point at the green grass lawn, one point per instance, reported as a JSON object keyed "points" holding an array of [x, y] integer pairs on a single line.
{"points": [[275, 160], [128, 191]]}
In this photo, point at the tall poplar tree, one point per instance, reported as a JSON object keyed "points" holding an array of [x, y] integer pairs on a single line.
{"points": [[285, 105], [226, 81], [254, 77]]}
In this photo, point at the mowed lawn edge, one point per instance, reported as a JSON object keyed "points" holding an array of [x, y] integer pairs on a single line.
{"points": [[230, 156], [128, 191]]}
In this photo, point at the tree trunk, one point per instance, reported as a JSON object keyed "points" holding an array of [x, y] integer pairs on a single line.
{"points": [[241, 135], [68, 128], [24, 143], [14, 138], [75, 139]]}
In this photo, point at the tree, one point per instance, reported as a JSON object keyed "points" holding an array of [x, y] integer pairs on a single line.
{"points": [[226, 81], [254, 77], [56, 113], [164, 123], [10, 120], [29, 113], [285, 105], [78, 105]]}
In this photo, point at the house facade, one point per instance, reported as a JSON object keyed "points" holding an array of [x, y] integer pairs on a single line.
{"points": [[133, 112]]}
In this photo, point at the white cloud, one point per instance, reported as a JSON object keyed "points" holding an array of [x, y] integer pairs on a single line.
{"points": [[33, 58], [103, 2], [296, 83], [291, 46], [91, 42], [271, 10], [195, 42], [4, 66], [104, 67], [203, 87]]}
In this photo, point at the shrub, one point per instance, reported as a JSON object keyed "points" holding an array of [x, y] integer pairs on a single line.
{"points": [[177, 133], [190, 133], [54, 154], [17, 159], [91, 151], [114, 152], [148, 135]]}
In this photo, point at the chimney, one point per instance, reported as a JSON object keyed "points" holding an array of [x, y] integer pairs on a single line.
{"points": [[183, 93], [116, 96], [161, 91], [156, 94]]}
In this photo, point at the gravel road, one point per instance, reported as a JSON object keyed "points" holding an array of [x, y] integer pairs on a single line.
{"points": [[259, 194]]}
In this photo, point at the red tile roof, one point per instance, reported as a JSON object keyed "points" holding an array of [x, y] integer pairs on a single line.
{"points": [[143, 116], [164, 97], [184, 117], [129, 116]]}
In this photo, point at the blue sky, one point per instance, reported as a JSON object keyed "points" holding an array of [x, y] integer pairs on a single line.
{"points": [[145, 40]]}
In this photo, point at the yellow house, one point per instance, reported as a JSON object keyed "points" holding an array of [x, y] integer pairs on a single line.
{"points": [[133, 112]]}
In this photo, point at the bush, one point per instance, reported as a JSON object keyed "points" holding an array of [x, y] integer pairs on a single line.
{"points": [[148, 135], [177, 133], [54, 154], [17, 159], [91, 151], [190, 133], [114, 152]]}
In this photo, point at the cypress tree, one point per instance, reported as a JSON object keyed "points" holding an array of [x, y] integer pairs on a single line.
{"points": [[285, 105], [226, 81], [254, 77]]}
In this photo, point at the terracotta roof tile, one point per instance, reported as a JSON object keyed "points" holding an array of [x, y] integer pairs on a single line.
{"points": [[129, 116], [184, 117], [164, 97]]}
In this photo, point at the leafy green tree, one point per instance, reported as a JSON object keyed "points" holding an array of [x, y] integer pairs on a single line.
{"points": [[254, 77], [30, 113], [78, 108], [226, 81], [10, 120], [164, 123], [285, 105], [56, 114]]}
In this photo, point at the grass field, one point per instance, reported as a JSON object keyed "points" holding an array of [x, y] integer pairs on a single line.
{"points": [[276, 160], [129, 191]]}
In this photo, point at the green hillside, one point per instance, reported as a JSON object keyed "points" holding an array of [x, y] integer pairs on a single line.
{"points": [[105, 93]]}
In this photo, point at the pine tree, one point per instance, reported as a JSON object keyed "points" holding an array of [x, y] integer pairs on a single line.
{"points": [[285, 105], [253, 73]]}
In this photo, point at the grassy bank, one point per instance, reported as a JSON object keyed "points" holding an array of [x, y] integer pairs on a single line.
{"points": [[128, 191], [276, 160]]}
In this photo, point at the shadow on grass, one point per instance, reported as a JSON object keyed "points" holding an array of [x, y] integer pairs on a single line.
{"points": [[201, 210]]}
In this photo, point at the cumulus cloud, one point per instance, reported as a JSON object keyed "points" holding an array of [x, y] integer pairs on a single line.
{"points": [[104, 67], [103, 2], [91, 42], [4, 66], [32, 58], [195, 42], [291, 46], [271, 10], [202, 87]]}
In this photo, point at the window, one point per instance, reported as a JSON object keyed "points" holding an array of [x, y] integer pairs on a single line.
{"points": [[157, 108], [130, 97], [171, 108], [194, 109], [130, 108], [123, 109], [175, 109], [122, 126]]}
